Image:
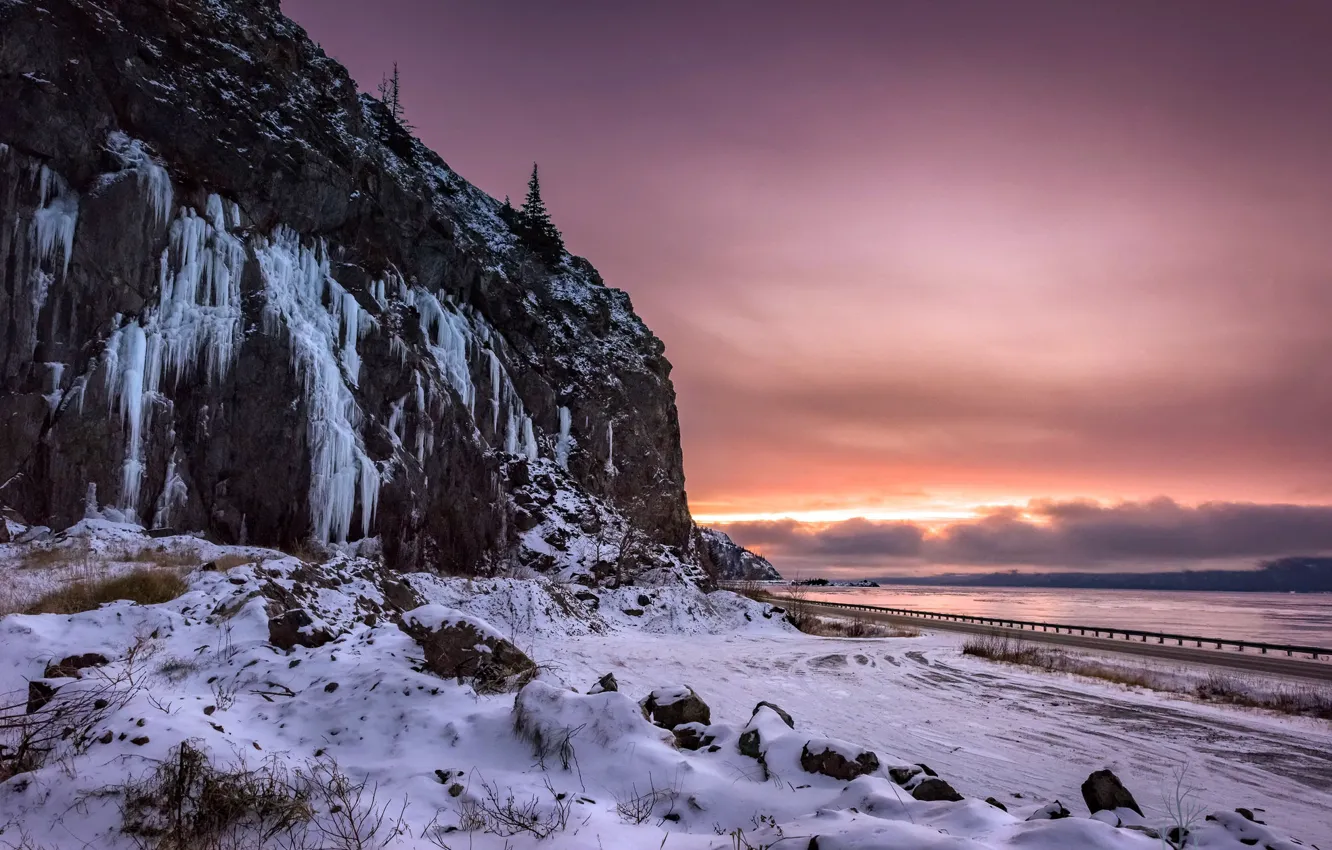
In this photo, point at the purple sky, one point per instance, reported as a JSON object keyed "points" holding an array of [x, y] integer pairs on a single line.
{"points": [[913, 258]]}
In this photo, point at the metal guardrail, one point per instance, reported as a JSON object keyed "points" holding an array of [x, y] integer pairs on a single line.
{"points": [[1314, 652]]}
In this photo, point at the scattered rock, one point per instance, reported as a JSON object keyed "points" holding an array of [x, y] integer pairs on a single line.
{"points": [[786, 718], [588, 597], [460, 646], [996, 804], [455, 790], [644, 601], [693, 736], [1052, 811], [903, 775], [296, 628], [39, 695], [106, 738], [1247, 814], [634, 612], [933, 789], [139, 741], [1103, 792], [1144, 829], [1177, 835], [671, 706], [330, 687], [71, 666], [830, 758], [209, 709], [605, 684]]}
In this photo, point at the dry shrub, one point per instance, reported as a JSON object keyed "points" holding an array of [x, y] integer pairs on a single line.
{"points": [[230, 561], [1306, 700], [854, 626], [146, 586], [755, 590], [189, 803], [45, 556]]}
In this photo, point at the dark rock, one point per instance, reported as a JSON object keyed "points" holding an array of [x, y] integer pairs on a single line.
{"points": [[786, 718], [40, 695], [903, 775], [71, 667], [670, 707], [820, 757], [1177, 836], [1144, 829], [1247, 814], [1051, 811], [933, 789], [643, 601], [750, 744], [605, 684], [209, 709], [461, 648], [998, 805], [139, 741], [235, 100], [294, 628], [693, 736], [107, 737], [330, 687], [733, 562], [634, 612], [157, 533], [456, 789], [1103, 792], [590, 598]]}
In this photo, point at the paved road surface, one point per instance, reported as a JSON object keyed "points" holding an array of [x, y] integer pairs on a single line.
{"points": [[1251, 661]]}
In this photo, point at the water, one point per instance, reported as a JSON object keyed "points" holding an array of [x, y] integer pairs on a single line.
{"points": [[1282, 618]]}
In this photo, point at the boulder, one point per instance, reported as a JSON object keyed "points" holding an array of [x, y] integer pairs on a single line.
{"points": [[692, 736], [671, 706], [71, 666], [786, 718], [296, 627], [1103, 792], [1052, 811], [606, 684], [765, 726], [39, 695], [837, 760], [998, 805], [903, 774], [933, 789], [460, 646]]}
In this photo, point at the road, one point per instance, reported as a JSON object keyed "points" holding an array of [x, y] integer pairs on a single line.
{"points": [[1248, 662]]}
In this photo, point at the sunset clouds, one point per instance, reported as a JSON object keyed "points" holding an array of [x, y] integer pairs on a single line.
{"points": [[911, 256], [1065, 535]]}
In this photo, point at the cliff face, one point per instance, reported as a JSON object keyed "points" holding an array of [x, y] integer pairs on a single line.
{"points": [[733, 562], [236, 296]]}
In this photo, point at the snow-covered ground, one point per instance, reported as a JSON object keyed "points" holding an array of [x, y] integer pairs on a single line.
{"points": [[203, 668]]}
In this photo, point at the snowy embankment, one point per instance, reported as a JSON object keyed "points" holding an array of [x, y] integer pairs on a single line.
{"points": [[302, 671]]}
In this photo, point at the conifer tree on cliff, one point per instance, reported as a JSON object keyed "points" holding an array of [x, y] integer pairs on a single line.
{"points": [[535, 228]]}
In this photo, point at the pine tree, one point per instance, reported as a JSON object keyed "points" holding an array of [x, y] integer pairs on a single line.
{"points": [[390, 95], [508, 214], [535, 227]]}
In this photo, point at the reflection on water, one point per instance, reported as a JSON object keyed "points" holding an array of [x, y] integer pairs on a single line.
{"points": [[1288, 618]]}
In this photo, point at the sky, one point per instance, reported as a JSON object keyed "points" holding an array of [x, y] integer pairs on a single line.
{"points": [[1031, 284]]}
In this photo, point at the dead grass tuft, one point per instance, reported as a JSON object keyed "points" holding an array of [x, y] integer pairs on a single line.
{"points": [[230, 562], [146, 586], [853, 626]]}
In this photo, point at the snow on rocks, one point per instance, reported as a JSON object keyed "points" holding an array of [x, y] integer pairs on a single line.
{"points": [[202, 669], [467, 648], [671, 706]]}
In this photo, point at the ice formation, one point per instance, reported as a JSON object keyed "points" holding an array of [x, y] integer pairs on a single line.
{"points": [[562, 446], [296, 280], [57, 216], [610, 448], [153, 178]]}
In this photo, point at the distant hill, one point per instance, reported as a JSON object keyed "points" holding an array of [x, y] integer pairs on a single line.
{"points": [[734, 562], [1284, 575]]}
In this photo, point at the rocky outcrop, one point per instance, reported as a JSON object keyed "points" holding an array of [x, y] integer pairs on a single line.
{"points": [[459, 646], [733, 562], [934, 789], [236, 295], [1103, 792], [831, 758], [671, 706]]}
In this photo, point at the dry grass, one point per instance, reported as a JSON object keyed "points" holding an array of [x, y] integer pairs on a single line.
{"points": [[1309, 701], [146, 586], [853, 626], [229, 561], [45, 557]]}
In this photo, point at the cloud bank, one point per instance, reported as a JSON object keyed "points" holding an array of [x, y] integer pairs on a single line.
{"points": [[1067, 535]]}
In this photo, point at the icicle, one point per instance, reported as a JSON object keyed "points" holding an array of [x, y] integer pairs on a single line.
{"points": [[494, 392], [529, 439], [90, 510], [562, 446], [174, 495], [396, 420], [295, 281], [351, 332], [153, 178], [126, 362], [53, 224], [610, 449]]}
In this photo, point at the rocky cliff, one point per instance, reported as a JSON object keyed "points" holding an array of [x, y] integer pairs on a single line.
{"points": [[237, 296], [733, 562]]}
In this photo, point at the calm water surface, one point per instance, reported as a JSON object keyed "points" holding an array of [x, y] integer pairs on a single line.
{"points": [[1287, 618]]}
